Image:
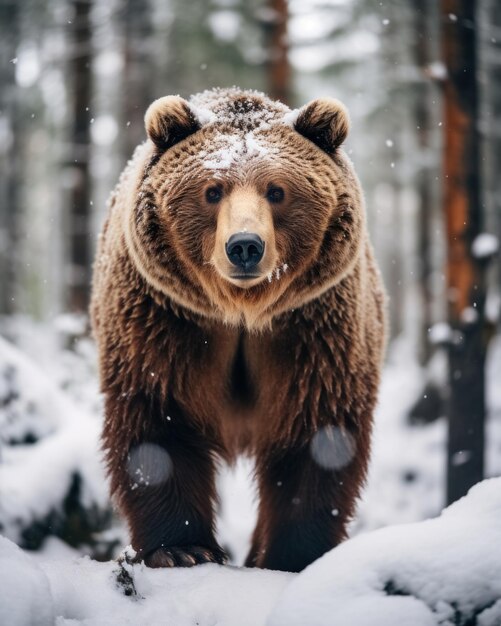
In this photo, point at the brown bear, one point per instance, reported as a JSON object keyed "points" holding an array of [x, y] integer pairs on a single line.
{"points": [[238, 309]]}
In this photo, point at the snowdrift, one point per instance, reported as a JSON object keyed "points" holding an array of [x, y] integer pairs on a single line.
{"points": [[442, 571], [51, 477], [445, 571]]}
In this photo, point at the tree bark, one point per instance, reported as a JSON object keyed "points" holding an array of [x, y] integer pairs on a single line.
{"points": [[278, 70], [80, 209], [10, 157], [393, 51], [491, 53], [423, 180], [465, 274], [138, 78]]}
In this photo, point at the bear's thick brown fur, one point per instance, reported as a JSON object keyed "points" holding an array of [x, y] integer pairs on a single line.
{"points": [[204, 357]]}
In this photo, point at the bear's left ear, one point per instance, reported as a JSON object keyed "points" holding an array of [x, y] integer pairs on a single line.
{"points": [[168, 120], [325, 121]]}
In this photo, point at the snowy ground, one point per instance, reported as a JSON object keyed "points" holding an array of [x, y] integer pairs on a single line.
{"points": [[49, 420], [444, 571], [81, 591]]}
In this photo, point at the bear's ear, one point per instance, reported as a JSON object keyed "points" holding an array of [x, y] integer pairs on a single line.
{"points": [[325, 122], [168, 120]]}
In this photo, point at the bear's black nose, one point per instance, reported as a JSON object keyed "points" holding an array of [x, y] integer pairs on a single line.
{"points": [[245, 250]]}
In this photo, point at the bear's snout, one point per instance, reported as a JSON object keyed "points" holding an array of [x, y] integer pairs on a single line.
{"points": [[244, 250]]}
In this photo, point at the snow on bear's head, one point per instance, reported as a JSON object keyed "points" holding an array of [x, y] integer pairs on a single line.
{"points": [[244, 208]]}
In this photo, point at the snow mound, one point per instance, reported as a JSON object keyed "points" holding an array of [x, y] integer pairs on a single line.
{"points": [[87, 592], [25, 590], [28, 409], [49, 453], [443, 571]]}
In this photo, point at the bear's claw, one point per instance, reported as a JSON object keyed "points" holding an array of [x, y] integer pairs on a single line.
{"points": [[186, 556]]}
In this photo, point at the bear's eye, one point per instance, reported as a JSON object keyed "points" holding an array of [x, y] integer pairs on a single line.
{"points": [[275, 194], [213, 195]]}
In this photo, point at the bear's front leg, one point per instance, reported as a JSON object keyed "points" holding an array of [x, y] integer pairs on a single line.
{"points": [[307, 496], [163, 476]]}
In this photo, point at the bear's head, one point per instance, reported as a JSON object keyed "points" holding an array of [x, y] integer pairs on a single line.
{"points": [[242, 208]]}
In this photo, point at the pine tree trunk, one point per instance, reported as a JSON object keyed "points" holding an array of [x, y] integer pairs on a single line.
{"points": [[465, 274], [423, 180], [138, 79], [491, 53], [80, 209], [392, 53], [10, 158], [279, 70]]}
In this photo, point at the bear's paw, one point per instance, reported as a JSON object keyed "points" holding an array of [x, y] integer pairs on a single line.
{"points": [[185, 556]]}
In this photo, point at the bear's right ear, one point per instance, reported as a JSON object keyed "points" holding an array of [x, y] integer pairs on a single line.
{"points": [[325, 122], [168, 120]]}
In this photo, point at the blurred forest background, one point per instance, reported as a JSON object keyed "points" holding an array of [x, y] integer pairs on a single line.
{"points": [[422, 81]]}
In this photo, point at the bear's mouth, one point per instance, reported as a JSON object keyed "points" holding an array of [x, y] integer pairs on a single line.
{"points": [[247, 276], [244, 276], [245, 280]]}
